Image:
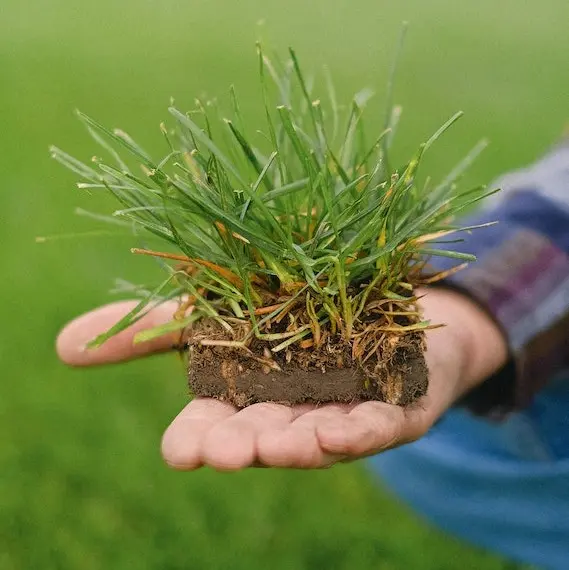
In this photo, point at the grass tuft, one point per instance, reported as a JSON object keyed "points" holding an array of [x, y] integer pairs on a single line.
{"points": [[294, 231]]}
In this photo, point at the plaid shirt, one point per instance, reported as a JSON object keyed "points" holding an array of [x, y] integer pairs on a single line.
{"points": [[522, 278]]}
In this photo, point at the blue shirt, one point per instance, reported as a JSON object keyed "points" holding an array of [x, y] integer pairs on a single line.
{"points": [[503, 486]]}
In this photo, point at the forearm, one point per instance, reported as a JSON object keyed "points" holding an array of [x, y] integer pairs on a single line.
{"points": [[521, 278]]}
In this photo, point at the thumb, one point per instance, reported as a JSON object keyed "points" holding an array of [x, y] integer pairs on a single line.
{"points": [[71, 344]]}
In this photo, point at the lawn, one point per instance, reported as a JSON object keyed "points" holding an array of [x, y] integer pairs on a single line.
{"points": [[82, 485]]}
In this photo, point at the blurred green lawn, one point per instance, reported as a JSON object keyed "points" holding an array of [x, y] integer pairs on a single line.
{"points": [[82, 485]]}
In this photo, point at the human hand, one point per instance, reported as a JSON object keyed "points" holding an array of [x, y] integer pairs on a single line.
{"points": [[211, 433]]}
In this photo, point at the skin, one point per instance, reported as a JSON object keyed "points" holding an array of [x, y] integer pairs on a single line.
{"points": [[211, 433]]}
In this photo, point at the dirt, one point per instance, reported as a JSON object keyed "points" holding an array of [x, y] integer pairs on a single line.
{"points": [[295, 376]]}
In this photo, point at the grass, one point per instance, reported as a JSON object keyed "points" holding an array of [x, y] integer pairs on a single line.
{"points": [[82, 484], [300, 233]]}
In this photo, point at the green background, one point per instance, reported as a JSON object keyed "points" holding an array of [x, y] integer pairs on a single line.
{"points": [[82, 485]]}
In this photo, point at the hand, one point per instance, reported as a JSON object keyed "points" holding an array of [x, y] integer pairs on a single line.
{"points": [[212, 433]]}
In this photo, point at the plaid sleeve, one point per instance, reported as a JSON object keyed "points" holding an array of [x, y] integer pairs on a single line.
{"points": [[521, 277]]}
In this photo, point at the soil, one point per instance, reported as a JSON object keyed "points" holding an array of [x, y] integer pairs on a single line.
{"points": [[295, 376]]}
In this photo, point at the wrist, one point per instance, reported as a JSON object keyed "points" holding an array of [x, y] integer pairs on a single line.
{"points": [[470, 346]]}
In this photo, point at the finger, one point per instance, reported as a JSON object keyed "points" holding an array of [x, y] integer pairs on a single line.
{"points": [[72, 341], [369, 428], [297, 445], [182, 443], [233, 443]]}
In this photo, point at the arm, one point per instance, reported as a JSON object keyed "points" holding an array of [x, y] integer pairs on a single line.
{"points": [[521, 279]]}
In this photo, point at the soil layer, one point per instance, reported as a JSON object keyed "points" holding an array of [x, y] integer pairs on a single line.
{"points": [[329, 374]]}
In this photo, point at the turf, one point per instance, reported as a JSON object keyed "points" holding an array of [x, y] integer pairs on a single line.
{"points": [[82, 484]]}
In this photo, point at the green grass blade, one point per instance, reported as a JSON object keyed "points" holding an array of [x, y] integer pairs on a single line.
{"points": [[207, 142], [443, 129], [169, 327], [451, 254], [134, 315], [98, 128]]}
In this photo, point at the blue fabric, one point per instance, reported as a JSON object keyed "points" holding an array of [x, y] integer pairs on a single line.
{"points": [[538, 213], [503, 486], [523, 210]]}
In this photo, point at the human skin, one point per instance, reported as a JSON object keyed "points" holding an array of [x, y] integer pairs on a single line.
{"points": [[207, 432]]}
